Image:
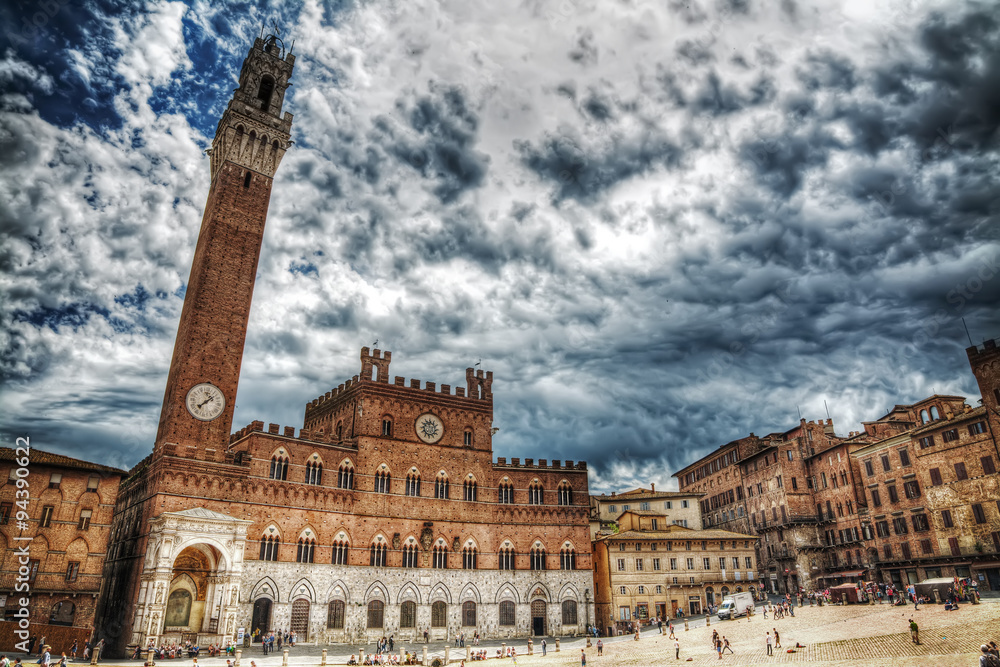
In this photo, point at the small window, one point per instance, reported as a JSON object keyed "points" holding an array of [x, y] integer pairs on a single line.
{"points": [[904, 457], [55, 480], [886, 466], [386, 428], [684, 504], [46, 519], [795, 484], [977, 512], [893, 496], [72, 570], [467, 438], [668, 505], [5, 512], [988, 467], [84, 523], [935, 477], [621, 564], [246, 180], [946, 519], [950, 435], [977, 428], [912, 489], [926, 441], [92, 482], [960, 472]]}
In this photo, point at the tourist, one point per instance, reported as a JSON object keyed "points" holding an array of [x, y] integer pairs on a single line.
{"points": [[725, 645], [777, 639], [718, 647], [543, 647], [583, 658], [914, 632], [677, 649], [987, 659], [72, 650], [769, 644], [600, 647], [46, 656]]}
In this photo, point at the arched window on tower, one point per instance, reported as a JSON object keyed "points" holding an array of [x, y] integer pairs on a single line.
{"points": [[441, 486], [314, 471], [565, 494], [265, 91], [507, 555], [470, 489], [567, 558], [440, 556], [345, 475], [538, 557], [413, 483], [467, 437], [387, 426], [536, 493], [934, 413], [279, 465], [382, 479], [305, 551], [377, 553], [269, 543], [340, 430], [410, 551], [341, 547], [506, 492], [469, 557], [924, 418]]}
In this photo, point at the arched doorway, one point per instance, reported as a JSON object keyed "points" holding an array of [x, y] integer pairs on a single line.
{"points": [[300, 619], [538, 618], [710, 595], [193, 602], [261, 619]]}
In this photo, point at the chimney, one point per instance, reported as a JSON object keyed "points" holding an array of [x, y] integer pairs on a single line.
{"points": [[652, 488]]}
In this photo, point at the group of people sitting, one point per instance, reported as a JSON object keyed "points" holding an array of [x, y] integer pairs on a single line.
{"points": [[478, 655], [385, 659]]}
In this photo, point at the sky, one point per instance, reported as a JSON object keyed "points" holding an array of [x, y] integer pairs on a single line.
{"points": [[662, 225]]}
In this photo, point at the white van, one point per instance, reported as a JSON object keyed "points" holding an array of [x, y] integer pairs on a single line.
{"points": [[735, 605]]}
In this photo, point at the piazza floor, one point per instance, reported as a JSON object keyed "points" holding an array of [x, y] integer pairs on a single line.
{"points": [[832, 635]]}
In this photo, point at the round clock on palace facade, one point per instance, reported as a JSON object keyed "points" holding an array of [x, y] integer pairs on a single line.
{"points": [[205, 401], [429, 428]]}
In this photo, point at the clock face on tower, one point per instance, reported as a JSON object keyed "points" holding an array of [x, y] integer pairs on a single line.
{"points": [[205, 401], [429, 428]]}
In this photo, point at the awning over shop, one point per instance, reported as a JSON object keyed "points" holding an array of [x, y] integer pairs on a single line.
{"points": [[851, 573]]}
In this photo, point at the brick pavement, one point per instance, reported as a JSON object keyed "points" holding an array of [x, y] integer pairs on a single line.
{"points": [[835, 636]]}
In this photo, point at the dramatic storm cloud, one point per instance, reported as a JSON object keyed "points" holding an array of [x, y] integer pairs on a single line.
{"points": [[663, 225]]}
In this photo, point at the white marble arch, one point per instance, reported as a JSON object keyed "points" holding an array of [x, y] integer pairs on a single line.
{"points": [[507, 592], [377, 591], [412, 589], [568, 592], [440, 592], [470, 592], [538, 591], [220, 537], [265, 588], [338, 590], [302, 589]]}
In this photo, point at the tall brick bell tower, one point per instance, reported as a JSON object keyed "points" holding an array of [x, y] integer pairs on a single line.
{"points": [[155, 500], [252, 136]]}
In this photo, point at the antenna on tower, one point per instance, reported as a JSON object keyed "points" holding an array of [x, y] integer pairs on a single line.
{"points": [[971, 344], [799, 411], [827, 409]]}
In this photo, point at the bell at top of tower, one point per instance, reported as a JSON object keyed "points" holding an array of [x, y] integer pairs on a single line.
{"points": [[253, 132]]}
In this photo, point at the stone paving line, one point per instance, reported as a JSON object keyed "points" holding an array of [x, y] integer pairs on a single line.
{"points": [[832, 635]]}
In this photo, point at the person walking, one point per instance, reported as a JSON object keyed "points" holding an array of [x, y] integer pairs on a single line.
{"points": [[677, 649], [73, 649], [583, 658], [718, 647], [769, 644], [914, 632], [671, 626], [543, 647], [46, 656], [725, 645], [600, 647], [777, 639]]}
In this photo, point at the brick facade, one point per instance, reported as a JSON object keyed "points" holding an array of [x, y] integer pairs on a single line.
{"points": [[385, 514], [69, 507]]}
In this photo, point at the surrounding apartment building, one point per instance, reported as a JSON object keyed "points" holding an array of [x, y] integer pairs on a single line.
{"points": [[676, 508], [915, 495], [654, 569], [69, 504]]}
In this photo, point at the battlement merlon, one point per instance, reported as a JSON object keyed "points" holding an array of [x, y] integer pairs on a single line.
{"points": [[480, 385], [375, 366], [988, 350]]}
